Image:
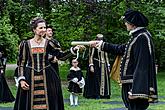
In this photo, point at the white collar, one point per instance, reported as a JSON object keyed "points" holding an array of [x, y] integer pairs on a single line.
{"points": [[136, 29], [75, 69]]}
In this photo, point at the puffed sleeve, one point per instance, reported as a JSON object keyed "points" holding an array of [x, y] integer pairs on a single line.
{"points": [[70, 75], [142, 58], [56, 51], [22, 59]]}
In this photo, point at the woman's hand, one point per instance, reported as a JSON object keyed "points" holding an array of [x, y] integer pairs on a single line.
{"points": [[24, 85], [81, 47]]}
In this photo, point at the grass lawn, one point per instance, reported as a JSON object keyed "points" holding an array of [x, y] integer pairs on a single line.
{"points": [[101, 104]]}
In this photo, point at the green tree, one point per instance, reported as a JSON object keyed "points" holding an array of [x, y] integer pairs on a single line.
{"points": [[8, 39]]}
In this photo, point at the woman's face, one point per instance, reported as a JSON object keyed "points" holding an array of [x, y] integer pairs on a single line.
{"points": [[129, 26], [40, 29]]}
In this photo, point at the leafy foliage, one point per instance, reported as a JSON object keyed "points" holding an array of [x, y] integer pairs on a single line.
{"points": [[8, 40], [82, 20]]}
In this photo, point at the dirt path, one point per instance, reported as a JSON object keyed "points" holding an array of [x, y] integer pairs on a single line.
{"points": [[11, 66]]}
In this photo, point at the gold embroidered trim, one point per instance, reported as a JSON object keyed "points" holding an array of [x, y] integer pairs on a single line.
{"points": [[32, 75], [102, 82], [66, 56], [54, 46], [38, 50], [39, 92], [127, 81], [128, 56], [44, 75], [149, 44], [37, 85], [21, 65], [40, 99], [40, 107], [91, 56], [38, 77]]}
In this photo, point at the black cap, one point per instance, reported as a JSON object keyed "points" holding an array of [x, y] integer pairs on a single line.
{"points": [[50, 26], [136, 18]]}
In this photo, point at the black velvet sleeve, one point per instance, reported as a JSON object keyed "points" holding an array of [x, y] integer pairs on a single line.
{"points": [[55, 50], [71, 75], [113, 48], [22, 60]]}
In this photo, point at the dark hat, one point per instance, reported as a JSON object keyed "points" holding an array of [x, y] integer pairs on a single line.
{"points": [[99, 36], [136, 18], [50, 26]]}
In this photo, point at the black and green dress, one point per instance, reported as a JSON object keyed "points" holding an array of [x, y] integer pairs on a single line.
{"points": [[34, 67]]}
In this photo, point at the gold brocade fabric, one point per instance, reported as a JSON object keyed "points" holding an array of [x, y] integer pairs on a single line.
{"points": [[115, 72]]}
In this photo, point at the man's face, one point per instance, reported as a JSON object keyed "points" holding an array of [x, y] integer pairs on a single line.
{"points": [[97, 38], [49, 32], [129, 26]]}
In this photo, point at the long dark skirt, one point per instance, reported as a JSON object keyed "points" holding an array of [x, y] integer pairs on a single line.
{"points": [[74, 88], [5, 93], [92, 88], [54, 92], [92, 85]]}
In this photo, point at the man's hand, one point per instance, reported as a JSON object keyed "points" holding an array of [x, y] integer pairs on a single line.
{"points": [[96, 44], [24, 85], [92, 69], [131, 97], [54, 60], [93, 43]]}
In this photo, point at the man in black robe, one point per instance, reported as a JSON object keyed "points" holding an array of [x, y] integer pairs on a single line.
{"points": [[138, 74], [49, 36], [97, 78]]}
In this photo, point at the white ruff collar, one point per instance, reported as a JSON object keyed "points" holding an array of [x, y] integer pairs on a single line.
{"points": [[75, 69], [134, 30]]}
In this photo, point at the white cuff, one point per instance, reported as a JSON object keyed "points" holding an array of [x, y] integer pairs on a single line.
{"points": [[20, 78], [75, 80], [50, 56], [82, 83], [130, 93], [71, 49], [91, 64]]}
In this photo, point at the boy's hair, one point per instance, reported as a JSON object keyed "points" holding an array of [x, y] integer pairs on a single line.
{"points": [[74, 58]]}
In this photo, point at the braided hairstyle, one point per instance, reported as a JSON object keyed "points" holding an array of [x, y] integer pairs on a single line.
{"points": [[34, 22]]}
